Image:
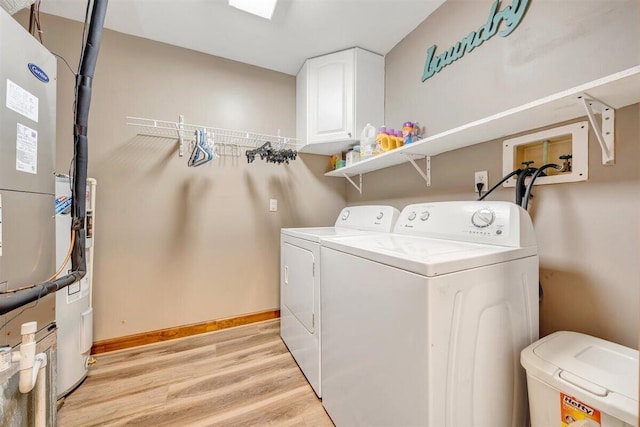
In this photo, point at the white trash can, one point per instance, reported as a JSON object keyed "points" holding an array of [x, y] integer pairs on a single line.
{"points": [[581, 381]]}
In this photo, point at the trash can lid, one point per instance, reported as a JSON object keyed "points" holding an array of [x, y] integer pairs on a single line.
{"points": [[606, 372]]}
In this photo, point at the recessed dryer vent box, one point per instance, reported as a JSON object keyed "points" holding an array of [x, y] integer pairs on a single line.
{"points": [[550, 146]]}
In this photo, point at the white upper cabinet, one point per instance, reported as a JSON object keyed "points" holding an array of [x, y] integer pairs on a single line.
{"points": [[336, 96], [331, 106]]}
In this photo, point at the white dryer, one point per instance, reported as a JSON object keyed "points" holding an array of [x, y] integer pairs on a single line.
{"points": [[300, 280], [424, 326]]}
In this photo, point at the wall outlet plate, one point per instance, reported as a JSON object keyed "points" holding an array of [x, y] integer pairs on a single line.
{"points": [[481, 177], [273, 205]]}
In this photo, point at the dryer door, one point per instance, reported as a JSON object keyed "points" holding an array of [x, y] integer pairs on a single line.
{"points": [[299, 284]]}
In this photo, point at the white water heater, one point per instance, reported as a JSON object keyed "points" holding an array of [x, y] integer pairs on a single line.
{"points": [[74, 312]]}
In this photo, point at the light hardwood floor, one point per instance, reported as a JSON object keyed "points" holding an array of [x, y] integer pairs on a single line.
{"points": [[242, 376]]}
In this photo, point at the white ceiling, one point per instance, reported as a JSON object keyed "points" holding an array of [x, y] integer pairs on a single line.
{"points": [[299, 29]]}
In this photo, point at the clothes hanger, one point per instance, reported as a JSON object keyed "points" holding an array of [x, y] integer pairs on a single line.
{"points": [[271, 155], [202, 152]]}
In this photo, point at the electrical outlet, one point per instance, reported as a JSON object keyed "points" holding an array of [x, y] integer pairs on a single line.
{"points": [[273, 205], [481, 177]]}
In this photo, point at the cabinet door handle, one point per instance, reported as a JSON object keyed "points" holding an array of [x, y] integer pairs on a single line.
{"points": [[286, 274], [349, 134]]}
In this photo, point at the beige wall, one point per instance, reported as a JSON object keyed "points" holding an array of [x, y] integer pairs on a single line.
{"points": [[558, 45], [589, 232], [178, 245]]}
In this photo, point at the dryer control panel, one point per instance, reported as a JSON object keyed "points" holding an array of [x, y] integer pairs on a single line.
{"points": [[370, 218], [495, 223]]}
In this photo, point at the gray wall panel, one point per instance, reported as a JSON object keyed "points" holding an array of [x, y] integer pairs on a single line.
{"points": [[18, 49], [28, 253]]}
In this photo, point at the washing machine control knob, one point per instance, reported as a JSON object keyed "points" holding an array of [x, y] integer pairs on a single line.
{"points": [[380, 215], [424, 215], [411, 216], [483, 218], [345, 215]]}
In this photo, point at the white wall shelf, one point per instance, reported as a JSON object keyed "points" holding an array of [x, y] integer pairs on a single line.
{"points": [[616, 90]]}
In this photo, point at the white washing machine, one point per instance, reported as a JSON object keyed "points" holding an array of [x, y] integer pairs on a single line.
{"points": [[300, 280], [424, 326]]}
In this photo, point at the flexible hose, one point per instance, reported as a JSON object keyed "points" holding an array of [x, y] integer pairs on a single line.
{"points": [[521, 189], [536, 174], [66, 259], [489, 191], [525, 204]]}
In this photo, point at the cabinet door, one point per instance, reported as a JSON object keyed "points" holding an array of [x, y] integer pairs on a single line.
{"points": [[330, 98]]}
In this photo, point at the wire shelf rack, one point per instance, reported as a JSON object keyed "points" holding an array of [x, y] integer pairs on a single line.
{"points": [[226, 140]]}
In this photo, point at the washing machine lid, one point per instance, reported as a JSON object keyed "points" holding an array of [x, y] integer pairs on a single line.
{"points": [[425, 256], [602, 374], [318, 233]]}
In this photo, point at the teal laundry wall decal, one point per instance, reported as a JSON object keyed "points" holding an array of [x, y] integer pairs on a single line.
{"points": [[510, 16]]}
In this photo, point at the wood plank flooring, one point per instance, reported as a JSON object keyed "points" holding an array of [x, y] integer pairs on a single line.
{"points": [[242, 376]]}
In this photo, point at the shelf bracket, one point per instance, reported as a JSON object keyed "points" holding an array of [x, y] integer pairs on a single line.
{"points": [[426, 175], [180, 129], [605, 132], [358, 187]]}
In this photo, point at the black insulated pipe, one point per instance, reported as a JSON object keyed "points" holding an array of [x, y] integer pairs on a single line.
{"points": [[19, 299], [84, 80], [83, 102]]}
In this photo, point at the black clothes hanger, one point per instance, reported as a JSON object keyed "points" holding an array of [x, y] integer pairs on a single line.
{"points": [[271, 155]]}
